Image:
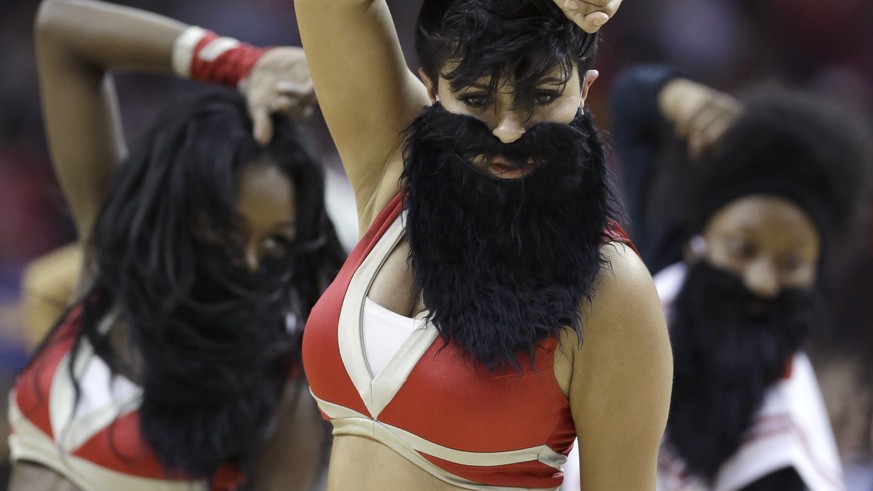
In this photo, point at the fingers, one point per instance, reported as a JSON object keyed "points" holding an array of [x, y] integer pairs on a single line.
{"points": [[262, 125], [710, 123], [702, 138], [297, 100], [294, 89], [590, 15], [295, 107]]}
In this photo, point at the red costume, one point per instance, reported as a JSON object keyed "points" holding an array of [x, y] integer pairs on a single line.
{"points": [[94, 441], [465, 425]]}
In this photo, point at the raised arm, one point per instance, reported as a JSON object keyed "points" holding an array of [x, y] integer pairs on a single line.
{"points": [[654, 112], [366, 92], [698, 113], [622, 378], [80, 42], [77, 43]]}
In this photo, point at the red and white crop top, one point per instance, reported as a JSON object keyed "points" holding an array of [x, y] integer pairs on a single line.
{"points": [[467, 426], [93, 441]]}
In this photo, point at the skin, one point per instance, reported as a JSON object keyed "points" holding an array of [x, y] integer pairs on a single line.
{"points": [[75, 57], [266, 204], [555, 103], [699, 114], [48, 282], [618, 382], [768, 241]]}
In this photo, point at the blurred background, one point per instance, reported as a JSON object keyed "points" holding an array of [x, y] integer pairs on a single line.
{"points": [[824, 46]]}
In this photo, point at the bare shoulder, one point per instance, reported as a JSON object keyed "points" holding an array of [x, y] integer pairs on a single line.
{"points": [[625, 301], [623, 326], [621, 376]]}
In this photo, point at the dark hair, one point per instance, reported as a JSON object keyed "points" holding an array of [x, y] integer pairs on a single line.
{"points": [[521, 39], [794, 145], [211, 338]]}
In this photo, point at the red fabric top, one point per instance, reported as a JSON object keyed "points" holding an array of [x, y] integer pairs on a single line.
{"points": [[445, 399], [120, 446]]}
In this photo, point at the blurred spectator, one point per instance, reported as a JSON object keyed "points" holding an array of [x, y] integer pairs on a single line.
{"points": [[827, 46]]}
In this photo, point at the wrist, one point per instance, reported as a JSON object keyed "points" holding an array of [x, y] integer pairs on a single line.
{"points": [[203, 56], [670, 98]]}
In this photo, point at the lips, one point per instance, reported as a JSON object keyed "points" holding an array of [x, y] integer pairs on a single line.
{"points": [[502, 167]]}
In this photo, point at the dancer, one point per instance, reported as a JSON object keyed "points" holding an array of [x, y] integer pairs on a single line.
{"points": [[492, 310], [771, 183], [177, 367]]}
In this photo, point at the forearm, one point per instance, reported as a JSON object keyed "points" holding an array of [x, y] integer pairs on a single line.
{"points": [[365, 90], [637, 115], [105, 36], [77, 43], [638, 131]]}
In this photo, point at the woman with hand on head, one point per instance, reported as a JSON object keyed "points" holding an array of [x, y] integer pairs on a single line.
{"points": [[742, 206], [449, 352], [177, 366]]}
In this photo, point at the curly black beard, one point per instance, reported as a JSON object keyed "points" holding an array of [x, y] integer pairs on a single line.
{"points": [[504, 264], [213, 362], [729, 347]]}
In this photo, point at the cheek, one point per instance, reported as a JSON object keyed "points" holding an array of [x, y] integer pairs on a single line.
{"points": [[727, 262], [718, 252], [804, 277], [455, 106], [565, 108], [566, 112]]}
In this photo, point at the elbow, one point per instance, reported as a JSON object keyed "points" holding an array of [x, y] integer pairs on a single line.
{"points": [[56, 18], [49, 20], [322, 4]]}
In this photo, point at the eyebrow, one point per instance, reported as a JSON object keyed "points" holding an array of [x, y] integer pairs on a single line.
{"points": [[473, 86], [552, 81], [287, 224]]}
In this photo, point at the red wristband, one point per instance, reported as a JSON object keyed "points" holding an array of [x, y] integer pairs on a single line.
{"points": [[221, 60]]}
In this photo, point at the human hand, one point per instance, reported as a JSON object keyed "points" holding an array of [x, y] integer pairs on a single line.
{"points": [[279, 82], [590, 15], [699, 114]]}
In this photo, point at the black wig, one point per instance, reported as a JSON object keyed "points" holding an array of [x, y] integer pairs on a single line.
{"points": [[522, 40], [794, 145], [210, 339]]}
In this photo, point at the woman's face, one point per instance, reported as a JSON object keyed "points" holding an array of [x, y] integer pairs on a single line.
{"points": [[769, 242], [266, 203], [555, 102]]}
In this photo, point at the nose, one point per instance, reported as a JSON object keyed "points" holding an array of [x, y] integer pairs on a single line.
{"points": [[253, 260], [509, 126], [761, 279]]}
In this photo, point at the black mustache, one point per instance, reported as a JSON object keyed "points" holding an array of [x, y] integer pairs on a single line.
{"points": [[470, 137], [518, 255]]}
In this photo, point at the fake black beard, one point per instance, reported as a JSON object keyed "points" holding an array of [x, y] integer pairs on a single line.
{"points": [[729, 347], [503, 264], [213, 376]]}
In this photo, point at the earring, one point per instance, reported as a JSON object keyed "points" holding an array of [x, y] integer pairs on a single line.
{"points": [[697, 246]]}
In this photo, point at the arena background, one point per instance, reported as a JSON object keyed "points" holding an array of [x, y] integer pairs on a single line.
{"points": [[826, 46]]}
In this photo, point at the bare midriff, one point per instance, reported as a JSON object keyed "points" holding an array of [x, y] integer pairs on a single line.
{"points": [[360, 463], [35, 477]]}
